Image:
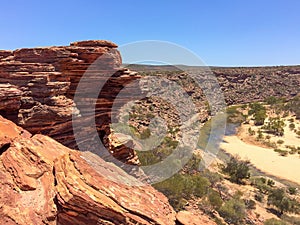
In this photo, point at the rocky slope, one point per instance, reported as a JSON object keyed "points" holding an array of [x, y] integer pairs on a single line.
{"points": [[238, 84], [44, 182]]}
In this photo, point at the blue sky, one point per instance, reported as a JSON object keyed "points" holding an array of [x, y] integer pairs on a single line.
{"points": [[234, 32]]}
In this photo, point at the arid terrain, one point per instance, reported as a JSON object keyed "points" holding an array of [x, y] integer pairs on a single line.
{"points": [[55, 124]]}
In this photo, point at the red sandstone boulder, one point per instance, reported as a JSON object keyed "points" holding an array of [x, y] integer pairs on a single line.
{"points": [[43, 182]]}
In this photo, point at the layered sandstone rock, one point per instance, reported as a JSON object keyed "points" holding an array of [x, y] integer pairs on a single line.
{"points": [[44, 182], [38, 85]]}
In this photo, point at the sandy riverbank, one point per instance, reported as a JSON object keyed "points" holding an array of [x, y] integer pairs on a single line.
{"points": [[264, 159]]}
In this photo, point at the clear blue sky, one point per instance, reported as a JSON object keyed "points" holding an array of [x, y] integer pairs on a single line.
{"points": [[233, 32]]}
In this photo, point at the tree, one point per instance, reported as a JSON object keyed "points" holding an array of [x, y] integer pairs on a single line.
{"points": [[259, 113], [294, 106], [282, 202], [237, 170]]}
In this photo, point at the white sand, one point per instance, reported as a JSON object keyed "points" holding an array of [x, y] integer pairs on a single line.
{"points": [[264, 159]]}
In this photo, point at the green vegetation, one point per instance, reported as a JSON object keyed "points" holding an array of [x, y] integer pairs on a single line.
{"points": [[280, 142], [237, 170], [274, 126], [294, 106], [234, 210], [182, 187], [280, 200], [263, 185], [251, 132], [159, 153], [281, 152], [215, 200], [272, 100], [274, 221], [292, 126], [234, 115], [292, 190], [259, 113]]}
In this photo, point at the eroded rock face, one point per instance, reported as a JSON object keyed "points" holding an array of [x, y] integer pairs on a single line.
{"points": [[44, 182], [37, 88], [188, 218]]}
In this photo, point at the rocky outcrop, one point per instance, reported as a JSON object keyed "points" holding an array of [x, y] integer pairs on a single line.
{"points": [[244, 85], [238, 84], [37, 88], [44, 182], [188, 218]]}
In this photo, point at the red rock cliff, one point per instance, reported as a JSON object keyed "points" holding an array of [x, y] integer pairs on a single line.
{"points": [[37, 87]]}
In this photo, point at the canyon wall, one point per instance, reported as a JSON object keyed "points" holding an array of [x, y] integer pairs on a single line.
{"points": [[37, 88]]}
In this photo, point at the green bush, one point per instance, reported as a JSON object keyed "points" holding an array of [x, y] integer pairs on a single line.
{"points": [[237, 170], [272, 100], [271, 183], [259, 197], [280, 142], [233, 211], [292, 126], [279, 199], [274, 221], [250, 204], [251, 132], [182, 187], [261, 184], [234, 115], [215, 200], [275, 126], [281, 152], [292, 190], [259, 113]]}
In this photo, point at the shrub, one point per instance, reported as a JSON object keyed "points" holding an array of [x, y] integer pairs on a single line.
{"points": [[271, 183], [215, 200], [275, 126], [250, 204], [274, 221], [282, 202], [237, 170], [259, 113], [294, 106], [292, 190], [259, 197], [234, 115], [251, 132], [193, 164], [261, 185], [260, 135], [272, 100], [182, 187], [292, 126], [233, 211], [281, 152], [280, 142]]}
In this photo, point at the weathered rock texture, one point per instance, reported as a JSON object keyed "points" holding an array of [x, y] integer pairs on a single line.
{"points": [[44, 182], [37, 88], [188, 218]]}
